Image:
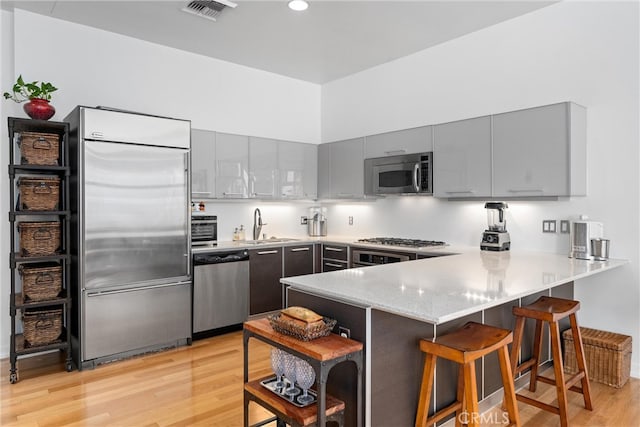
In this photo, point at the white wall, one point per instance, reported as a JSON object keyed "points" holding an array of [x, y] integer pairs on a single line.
{"points": [[95, 67], [586, 52]]}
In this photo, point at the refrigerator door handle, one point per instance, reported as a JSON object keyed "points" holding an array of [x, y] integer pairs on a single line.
{"points": [[142, 288]]}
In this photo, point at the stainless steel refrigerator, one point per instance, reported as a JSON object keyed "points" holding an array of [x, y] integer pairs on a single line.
{"points": [[130, 233]]}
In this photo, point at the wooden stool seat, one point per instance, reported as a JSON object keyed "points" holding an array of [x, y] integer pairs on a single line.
{"points": [[286, 412], [551, 310], [465, 346], [548, 309]]}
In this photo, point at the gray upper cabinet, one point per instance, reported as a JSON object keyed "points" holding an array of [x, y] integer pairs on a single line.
{"points": [[232, 162], [203, 164], [346, 164], [263, 168], [406, 141], [297, 170], [324, 171], [540, 152], [462, 158]]}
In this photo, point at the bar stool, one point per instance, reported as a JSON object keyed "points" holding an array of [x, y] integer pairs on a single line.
{"points": [[551, 310], [465, 346]]}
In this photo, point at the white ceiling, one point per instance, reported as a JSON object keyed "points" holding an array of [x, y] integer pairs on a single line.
{"points": [[330, 40]]}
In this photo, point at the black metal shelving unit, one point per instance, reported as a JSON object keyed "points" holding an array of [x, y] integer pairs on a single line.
{"points": [[18, 346]]}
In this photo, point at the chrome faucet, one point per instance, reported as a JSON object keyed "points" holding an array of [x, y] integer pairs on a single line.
{"points": [[257, 224]]}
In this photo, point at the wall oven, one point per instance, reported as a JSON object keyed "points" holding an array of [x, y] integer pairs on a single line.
{"points": [[367, 257], [204, 230], [405, 174]]}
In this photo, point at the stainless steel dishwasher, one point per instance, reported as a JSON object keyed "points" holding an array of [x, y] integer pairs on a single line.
{"points": [[220, 289]]}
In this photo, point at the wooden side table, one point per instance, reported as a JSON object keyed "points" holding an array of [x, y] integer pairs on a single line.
{"points": [[322, 354]]}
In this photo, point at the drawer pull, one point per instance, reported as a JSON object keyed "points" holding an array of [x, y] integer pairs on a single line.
{"points": [[462, 192], [330, 264], [299, 249], [526, 190], [267, 252], [328, 248]]}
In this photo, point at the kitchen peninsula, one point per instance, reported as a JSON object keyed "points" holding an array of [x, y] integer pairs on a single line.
{"points": [[390, 307]]}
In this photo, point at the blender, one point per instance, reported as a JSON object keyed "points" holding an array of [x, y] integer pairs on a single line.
{"points": [[495, 237]]}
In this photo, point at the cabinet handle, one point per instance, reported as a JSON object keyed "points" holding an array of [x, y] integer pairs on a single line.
{"points": [[329, 248], [263, 194], [267, 252], [395, 152], [526, 190], [330, 264], [201, 192], [232, 194], [462, 192], [299, 249]]}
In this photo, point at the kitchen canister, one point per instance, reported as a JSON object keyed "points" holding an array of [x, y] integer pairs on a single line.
{"points": [[600, 249]]}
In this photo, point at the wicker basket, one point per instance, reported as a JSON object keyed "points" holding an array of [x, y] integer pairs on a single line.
{"points": [[39, 238], [39, 148], [302, 333], [42, 327], [39, 194], [608, 356], [41, 282]]}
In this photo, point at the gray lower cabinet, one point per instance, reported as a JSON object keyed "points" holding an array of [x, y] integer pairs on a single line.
{"points": [[540, 151], [203, 161], [232, 166], [462, 158], [265, 272], [298, 260], [405, 141]]}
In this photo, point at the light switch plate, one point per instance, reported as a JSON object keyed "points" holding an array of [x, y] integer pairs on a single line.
{"points": [[549, 226], [564, 226]]}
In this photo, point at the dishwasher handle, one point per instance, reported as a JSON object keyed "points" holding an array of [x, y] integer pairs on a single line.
{"points": [[220, 257]]}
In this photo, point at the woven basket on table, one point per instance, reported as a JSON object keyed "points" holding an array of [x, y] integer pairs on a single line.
{"points": [[42, 327], [39, 194], [39, 238], [608, 356], [38, 148], [41, 282]]}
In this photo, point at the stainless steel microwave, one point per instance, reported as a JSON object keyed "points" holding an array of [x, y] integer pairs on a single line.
{"points": [[405, 174]]}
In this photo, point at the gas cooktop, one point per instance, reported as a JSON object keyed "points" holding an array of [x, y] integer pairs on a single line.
{"points": [[411, 243]]}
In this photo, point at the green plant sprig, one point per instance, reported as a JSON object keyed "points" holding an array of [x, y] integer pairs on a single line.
{"points": [[24, 91]]}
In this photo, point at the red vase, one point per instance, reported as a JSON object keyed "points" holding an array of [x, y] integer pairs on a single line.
{"points": [[39, 109]]}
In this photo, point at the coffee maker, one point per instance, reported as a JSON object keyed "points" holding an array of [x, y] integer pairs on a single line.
{"points": [[582, 233], [495, 237]]}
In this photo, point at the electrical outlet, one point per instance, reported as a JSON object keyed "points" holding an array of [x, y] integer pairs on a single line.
{"points": [[303, 220], [564, 226], [350, 220], [344, 332], [548, 225]]}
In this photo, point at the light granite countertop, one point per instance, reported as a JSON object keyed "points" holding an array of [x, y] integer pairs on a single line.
{"points": [[441, 289], [350, 241]]}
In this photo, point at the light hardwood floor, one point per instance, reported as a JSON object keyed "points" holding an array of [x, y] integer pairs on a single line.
{"points": [[202, 385]]}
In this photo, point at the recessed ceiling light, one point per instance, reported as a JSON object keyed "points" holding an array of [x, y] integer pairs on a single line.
{"points": [[298, 5]]}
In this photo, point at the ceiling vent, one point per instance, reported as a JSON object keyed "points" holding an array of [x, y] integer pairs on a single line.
{"points": [[208, 8]]}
